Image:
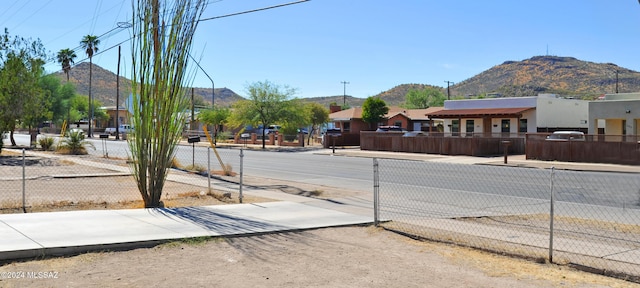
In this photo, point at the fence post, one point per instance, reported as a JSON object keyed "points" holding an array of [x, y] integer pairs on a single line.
{"points": [[209, 170], [551, 215], [376, 193], [241, 173], [24, 201]]}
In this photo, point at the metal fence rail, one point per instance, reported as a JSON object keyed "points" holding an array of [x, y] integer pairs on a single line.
{"points": [[589, 219], [41, 181]]}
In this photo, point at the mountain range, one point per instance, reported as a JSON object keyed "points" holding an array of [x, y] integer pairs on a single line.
{"points": [[565, 76]]}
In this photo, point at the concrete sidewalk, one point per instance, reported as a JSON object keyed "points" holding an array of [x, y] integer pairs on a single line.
{"points": [[512, 160], [62, 233]]}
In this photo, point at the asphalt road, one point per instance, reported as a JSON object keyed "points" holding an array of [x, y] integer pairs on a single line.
{"points": [[448, 190]]}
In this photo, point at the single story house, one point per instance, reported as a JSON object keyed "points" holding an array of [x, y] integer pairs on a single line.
{"points": [[615, 114], [123, 116], [350, 120], [513, 115]]}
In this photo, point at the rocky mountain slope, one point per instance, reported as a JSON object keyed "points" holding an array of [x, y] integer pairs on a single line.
{"points": [[566, 76]]}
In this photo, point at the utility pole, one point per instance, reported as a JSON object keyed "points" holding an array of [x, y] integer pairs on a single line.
{"points": [[617, 76], [448, 91], [117, 122], [344, 93]]}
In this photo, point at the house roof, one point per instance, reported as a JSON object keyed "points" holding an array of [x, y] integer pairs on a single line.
{"points": [[413, 114], [356, 113], [479, 113], [346, 115]]}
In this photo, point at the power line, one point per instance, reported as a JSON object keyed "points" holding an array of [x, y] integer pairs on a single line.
{"points": [[33, 13], [206, 19], [254, 10]]}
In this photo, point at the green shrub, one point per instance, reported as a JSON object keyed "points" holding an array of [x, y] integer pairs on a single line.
{"points": [[46, 143], [222, 136], [75, 143]]}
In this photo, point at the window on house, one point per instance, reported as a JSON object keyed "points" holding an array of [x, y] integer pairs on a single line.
{"points": [[523, 126], [469, 127], [455, 127], [346, 126], [398, 123], [505, 126]]}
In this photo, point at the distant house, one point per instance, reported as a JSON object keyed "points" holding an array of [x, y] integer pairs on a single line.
{"points": [[542, 113], [615, 114], [123, 116], [350, 120]]}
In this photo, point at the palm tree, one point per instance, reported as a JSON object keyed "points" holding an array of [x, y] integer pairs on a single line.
{"points": [[90, 44], [75, 143], [66, 57]]}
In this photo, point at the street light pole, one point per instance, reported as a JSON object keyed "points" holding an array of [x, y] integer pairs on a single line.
{"points": [[213, 88], [344, 91]]}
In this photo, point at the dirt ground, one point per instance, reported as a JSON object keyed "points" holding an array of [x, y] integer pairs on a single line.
{"points": [[333, 257]]}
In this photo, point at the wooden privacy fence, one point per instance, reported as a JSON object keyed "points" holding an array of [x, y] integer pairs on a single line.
{"points": [[343, 139], [613, 149], [443, 143]]}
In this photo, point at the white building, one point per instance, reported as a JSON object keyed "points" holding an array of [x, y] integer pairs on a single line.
{"points": [[542, 113], [615, 114]]}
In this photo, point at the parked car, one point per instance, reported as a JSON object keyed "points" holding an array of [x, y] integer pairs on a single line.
{"points": [[414, 134], [272, 129], [566, 136], [124, 128], [390, 129], [76, 130]]}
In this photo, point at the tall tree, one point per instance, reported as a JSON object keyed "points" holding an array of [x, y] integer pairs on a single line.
{"points": [[160, 56], [22, 101], [267, 104], [215, 117], [374, 110], [424, 98], [66, 58], [59, 96], [318, 115], [294, 116], [90, 45]]}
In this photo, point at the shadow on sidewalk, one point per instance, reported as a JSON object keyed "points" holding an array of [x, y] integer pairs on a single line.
{"points": [[222, 223]]}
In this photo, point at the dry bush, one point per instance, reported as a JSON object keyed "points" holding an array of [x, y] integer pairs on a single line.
{"points": [[222, 196], [197, 167], [175, 163], [228, 170]]}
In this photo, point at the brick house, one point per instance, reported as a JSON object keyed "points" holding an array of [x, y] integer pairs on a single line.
{"points": [[350, 121]]}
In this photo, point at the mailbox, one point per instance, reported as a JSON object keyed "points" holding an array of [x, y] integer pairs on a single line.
{"points": [[334, 132], [193, 139], [104, 136]]}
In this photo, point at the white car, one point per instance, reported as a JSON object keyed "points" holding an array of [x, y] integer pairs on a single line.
{"points": [[566, 136], [76, 130], [124, 128]]}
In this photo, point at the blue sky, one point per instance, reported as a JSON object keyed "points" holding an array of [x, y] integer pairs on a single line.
{"points": [[372, 44]]}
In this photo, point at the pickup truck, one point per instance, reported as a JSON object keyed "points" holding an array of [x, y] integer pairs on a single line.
{"points": [[124, 128]]}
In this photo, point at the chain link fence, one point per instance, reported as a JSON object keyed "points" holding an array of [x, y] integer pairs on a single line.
{"points": [[35, 180], [588, 219]]}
